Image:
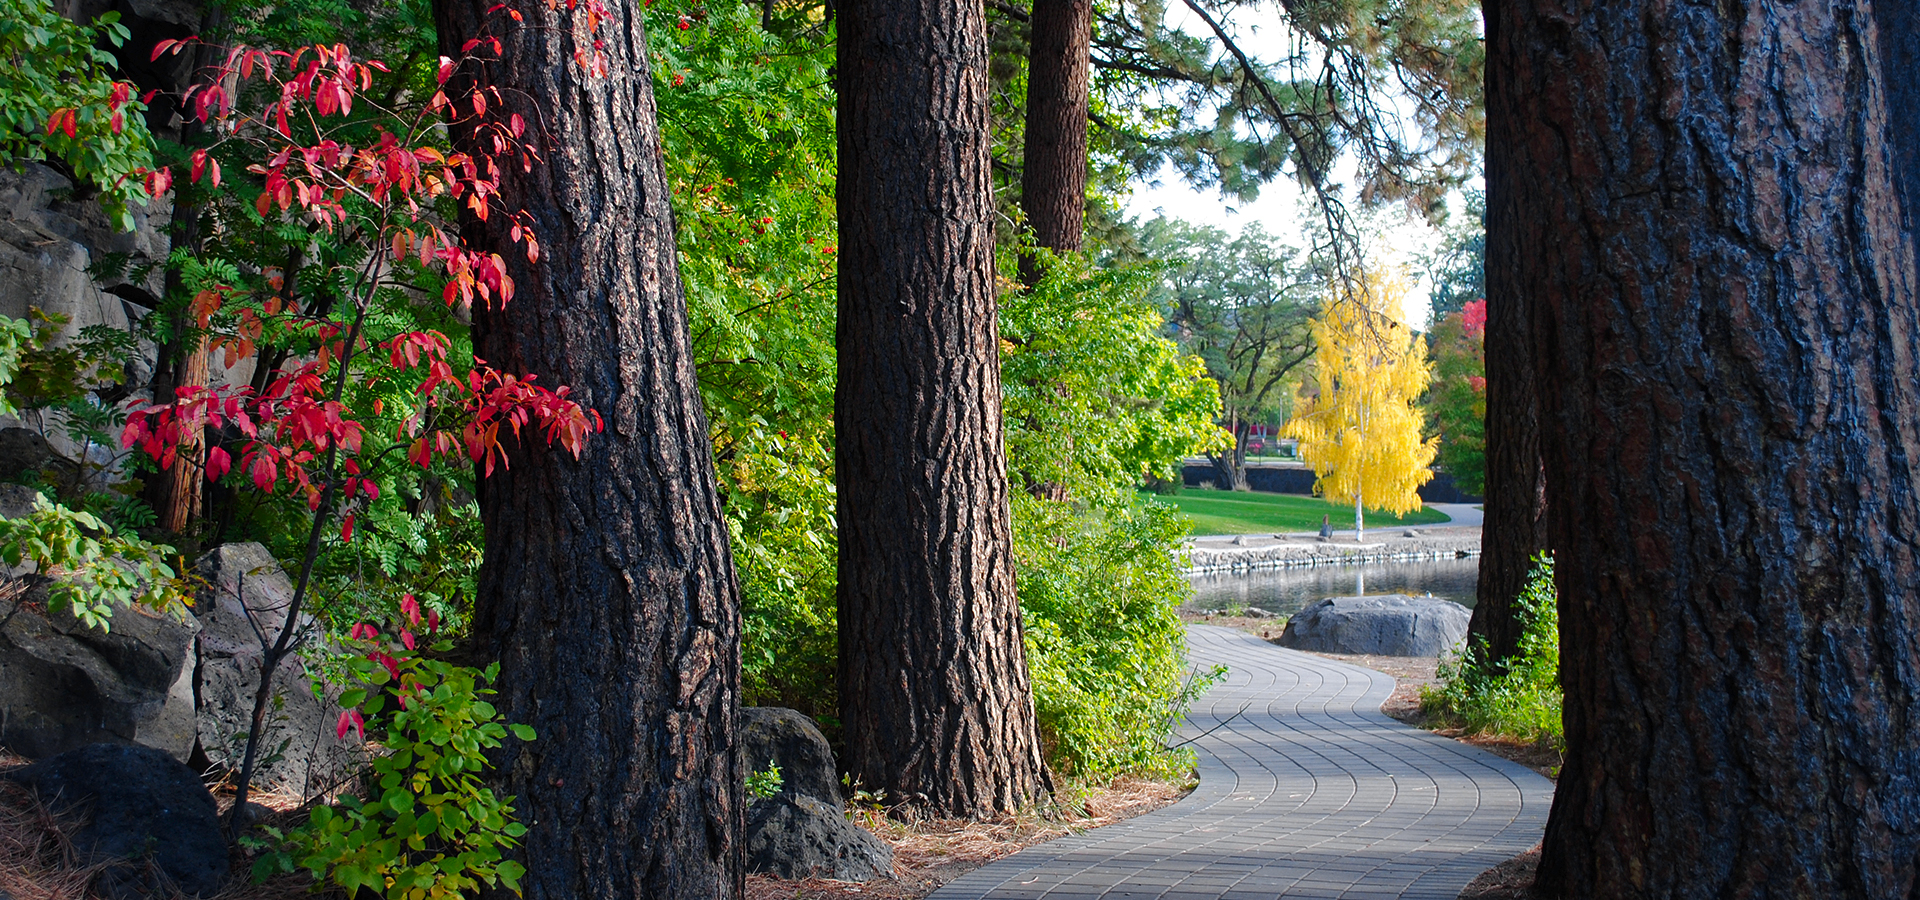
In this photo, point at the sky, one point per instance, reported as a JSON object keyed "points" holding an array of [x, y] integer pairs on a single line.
{"points": [[1278, 209]]}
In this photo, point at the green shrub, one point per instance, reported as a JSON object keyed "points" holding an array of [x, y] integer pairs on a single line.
{"points": [[1099, 592], [1520, 698], [428, 827], [93, 569]]}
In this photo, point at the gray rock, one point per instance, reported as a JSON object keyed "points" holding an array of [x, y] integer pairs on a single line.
{"points": [[246, 588], [1385, 625], [64, 685], [795, 836], [17, 500], [772, 734], [22, 450], [136, 802]]}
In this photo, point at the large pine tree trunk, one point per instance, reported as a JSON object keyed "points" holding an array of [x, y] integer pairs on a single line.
{"points": [[1515, 526], [1723, 308], [607, 592], [1053, 173], [934, 694]]}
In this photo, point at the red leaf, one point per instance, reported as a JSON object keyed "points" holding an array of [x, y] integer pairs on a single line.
{"points": [[218, 462], [350, 720], [406, 637], [265, 472], [346, 528], [1473, 318], [410, 608]]}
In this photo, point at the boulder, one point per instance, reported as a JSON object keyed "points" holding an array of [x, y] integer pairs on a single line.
{"points": [[792, 835], [787, 738], [1383, 625], [17, 500], [23, 450], [299, 751], [136, 802], [64, 685]]}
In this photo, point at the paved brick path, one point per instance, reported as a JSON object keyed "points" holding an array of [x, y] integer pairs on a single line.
{"points": [[1311, 792]]}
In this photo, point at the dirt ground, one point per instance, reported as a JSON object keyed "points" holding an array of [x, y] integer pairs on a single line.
{"points": [[1510, 880]]}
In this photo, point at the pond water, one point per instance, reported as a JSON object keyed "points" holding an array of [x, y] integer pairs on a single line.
{"points": [[1284, 592]]}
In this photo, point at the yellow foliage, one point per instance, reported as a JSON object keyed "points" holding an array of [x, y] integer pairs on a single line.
{"points": [[1357, 423]]}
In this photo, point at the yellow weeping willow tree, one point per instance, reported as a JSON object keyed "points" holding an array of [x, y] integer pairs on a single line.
{"points": [[1358, 425]]}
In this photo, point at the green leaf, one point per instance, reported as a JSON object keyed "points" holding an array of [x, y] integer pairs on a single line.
{"points": [[523, 732]]}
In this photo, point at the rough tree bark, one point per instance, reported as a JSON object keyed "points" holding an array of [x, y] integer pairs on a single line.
{"points": [[1053, 171], [1231, 465], [1722, 301], [607, 592], [1515, 527], [934, 692]]}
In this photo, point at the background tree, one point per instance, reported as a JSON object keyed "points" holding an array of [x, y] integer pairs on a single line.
{"points": [[1053, 174], [1720, 285], [1359, 428], [1094, 397], [1244, 306], [607, 592], [935, 701], [1514, 492], [1457, 268], [1457, 398]]}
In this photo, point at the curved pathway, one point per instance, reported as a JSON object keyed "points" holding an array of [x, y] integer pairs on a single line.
{"points": [[1306, 791]]}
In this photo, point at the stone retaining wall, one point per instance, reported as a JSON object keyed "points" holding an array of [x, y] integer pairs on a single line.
{"points": [[1301, 553]]}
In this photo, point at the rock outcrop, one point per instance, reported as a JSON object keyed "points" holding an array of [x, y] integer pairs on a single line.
{"points": [[246, 589], [64, 685]]}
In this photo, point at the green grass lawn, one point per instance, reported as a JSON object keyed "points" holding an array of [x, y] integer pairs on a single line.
{"points": [[1253, 512]]}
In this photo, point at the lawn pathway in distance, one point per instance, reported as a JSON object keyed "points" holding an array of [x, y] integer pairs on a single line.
{"points": [[1306, 791]]}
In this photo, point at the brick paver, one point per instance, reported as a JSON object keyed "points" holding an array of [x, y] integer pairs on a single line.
{"points": [[1306, 791]]}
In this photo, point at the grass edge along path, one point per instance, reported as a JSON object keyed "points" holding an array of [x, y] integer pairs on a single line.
{"points": [[1258, 512]]}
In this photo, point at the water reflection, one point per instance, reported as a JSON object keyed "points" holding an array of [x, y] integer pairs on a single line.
{"points": [[1284, 591]]}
